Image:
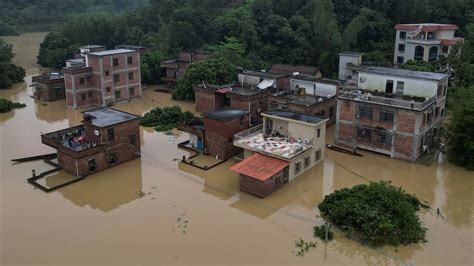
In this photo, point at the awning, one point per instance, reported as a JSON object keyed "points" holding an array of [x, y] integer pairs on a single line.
{"points": [[267, 83], [223, 90], [259, 166]]}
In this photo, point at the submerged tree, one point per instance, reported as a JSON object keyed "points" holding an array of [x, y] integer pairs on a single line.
{"points": [[378, 213], [9, 73]]}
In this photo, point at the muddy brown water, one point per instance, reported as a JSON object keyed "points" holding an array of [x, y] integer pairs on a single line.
{"points": [[155, 210]]}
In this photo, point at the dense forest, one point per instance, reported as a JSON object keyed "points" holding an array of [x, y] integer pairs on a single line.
{"points": [[32, 15], [9, 73]]}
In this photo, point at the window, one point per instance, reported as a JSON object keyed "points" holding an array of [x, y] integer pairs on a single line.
{"points": [[130, 76], [363, 133], [113, 158], [91, 164], [307, 162], [317, 155], [403, 34], [323, 113], [111, 134], [319, 133], [389, 86], [131, 91], [400, 60], [401, 48], [88, 78], [400, 87], [118, 94], [436, 112], [58, 91], [107, 73], [129, 60], [365, 112], [133, 139], [386, 117], [445, 49], [385, 139], [83, 96], [433, 54], [419, 53], [81, 81], [297, 167], [116, 62], [108, 89], [116, 78], [90, 94]]}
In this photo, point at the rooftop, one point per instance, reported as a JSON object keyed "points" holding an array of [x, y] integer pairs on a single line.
{"points": [[351, 53], [290, 69], [262, 74], [247, 91], [226, 114], [104, 117], [112, 52], [311, 119], [405, 73], [91, 46], [49, 76], [306, 100], [319, 80], [259, 166], [426, 26]]}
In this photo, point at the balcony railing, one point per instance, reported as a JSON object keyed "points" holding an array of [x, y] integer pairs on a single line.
{"points": [[248, 132], [396, 102]]}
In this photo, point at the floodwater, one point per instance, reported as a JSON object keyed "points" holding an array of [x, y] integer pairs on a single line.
{"points": [[156, 210]]}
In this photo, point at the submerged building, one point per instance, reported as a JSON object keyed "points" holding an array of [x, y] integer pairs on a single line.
{"points": [[175, 68], [103, 78], [285, 146], [49, 87], [106, 138], [392, 111], [425, 41], [308, 95]]}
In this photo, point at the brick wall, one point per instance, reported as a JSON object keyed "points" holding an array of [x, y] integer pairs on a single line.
{"points": [[219, 136], [406, 121], [207, 101]]}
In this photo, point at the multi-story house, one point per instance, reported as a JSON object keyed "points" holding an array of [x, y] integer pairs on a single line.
{"points": [[308, 95], [103, 79], [106, 138], [396, 112], [426, 41], [176, 68], [285, 146]]}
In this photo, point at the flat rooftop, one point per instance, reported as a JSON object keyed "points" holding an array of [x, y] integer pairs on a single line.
{"points": [[112, 52], [225, 114], [405, 73], [262, 74], [91, 46], [318, 80], [104, 117], [351, 53], [306, 100], [312, 119]]}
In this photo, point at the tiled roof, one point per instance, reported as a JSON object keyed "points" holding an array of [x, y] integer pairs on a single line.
{"points": [[259, 166]]}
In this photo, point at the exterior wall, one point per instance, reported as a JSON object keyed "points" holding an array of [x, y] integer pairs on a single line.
{"points": [[219, 136], [255, 104], [344, 73], [326, 109], [409, 131], [262, 188], [50, 91], [314, 88], [412, 87], [207, 101]]}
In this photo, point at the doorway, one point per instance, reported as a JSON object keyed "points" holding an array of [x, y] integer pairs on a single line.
{"points": [[389, 87]]}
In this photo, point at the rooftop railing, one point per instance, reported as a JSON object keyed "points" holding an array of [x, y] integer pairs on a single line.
{"points": [[248, 132], [357, 95]]}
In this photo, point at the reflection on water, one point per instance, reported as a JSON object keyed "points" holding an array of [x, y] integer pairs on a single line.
{"points": [[140, 201]]}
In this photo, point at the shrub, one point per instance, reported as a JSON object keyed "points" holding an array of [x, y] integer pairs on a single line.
{"points": [[378, 213], [7, 106], [165, 119], [320, 231]]}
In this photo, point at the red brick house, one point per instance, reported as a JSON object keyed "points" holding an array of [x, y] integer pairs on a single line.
{"points": [[105, 78], [176, 68], [209, 98], [49, 87], [214, 134], [396, 112], [106, 138]]}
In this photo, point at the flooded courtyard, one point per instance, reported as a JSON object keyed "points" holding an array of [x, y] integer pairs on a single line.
{"points": [[156, 210]]}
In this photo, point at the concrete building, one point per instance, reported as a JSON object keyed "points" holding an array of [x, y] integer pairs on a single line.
{"points": [[176, 68], [290, 70], [308, 95], [49, 87], [262, 80], [106, 138], [397, 112], [105, 78], [349, 65], [425, 41], [214, 134], [275, 153]]}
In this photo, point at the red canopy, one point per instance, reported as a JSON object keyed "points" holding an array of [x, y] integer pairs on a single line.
{"points": [[259, 166]]}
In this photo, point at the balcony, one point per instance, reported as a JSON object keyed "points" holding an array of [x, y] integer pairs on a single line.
{"points": [[274, 146], [71, 141], [415, 103]]}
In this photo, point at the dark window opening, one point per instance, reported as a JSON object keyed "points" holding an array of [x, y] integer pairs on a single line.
{"points": [[401, 47], [116, 78], [116, 61], [111, 134], [113, 159], [319, 132], [90, 94], [364, 134], [81, 81], [400, 60], [133, 139], [131, 91], [129, 60], [297, 167], [92, 165], [433, 54], [83, 96], [366, 112], [386, 117], [118, 94], [419, 53], [108, 89], [317, 155], [389, 87], [107, 73], [130, 76], [307, 161], [445, 49], [385, 139], [403, 34]]}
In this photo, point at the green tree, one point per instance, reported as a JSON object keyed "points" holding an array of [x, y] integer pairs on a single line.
{"points": [[461, 129], [212, 71], [150, 67], [9, 72]]}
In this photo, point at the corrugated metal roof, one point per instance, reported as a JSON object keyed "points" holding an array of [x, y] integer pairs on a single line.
{"points": [[259, 166]]}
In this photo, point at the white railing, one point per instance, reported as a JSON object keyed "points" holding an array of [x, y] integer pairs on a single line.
{"points": [[248, 132], [408, 104]]}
